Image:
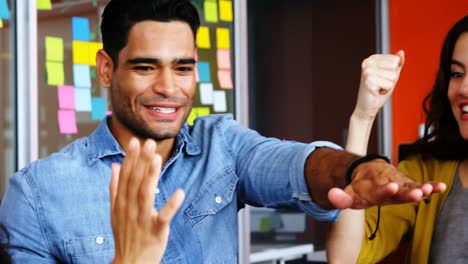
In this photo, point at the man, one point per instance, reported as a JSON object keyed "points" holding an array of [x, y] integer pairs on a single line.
{"points": [[56, 209]]}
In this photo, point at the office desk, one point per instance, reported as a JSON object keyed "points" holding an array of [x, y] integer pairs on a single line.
{"points": [[280, 253]]}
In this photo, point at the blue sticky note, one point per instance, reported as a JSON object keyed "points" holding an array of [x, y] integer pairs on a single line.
{"points": [[204, 71], [99, 108], [4, 11], [81, 75], [83, 99], [80, 28]]}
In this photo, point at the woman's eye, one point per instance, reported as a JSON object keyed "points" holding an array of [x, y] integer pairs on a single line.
{"points": [[455, 74]]}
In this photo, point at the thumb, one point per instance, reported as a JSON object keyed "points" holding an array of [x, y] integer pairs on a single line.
{"points": [[339, 198], [401, 55]]}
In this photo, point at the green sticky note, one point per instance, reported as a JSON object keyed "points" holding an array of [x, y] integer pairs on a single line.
{"points": [[44, 5], [54, 49], [55, 73], [211, 11]]}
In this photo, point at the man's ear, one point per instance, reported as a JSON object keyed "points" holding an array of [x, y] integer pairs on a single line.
{"points": [[105, 68]]}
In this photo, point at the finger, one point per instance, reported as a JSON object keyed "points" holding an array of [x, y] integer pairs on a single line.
{"points": [[382, 61], [339, 198], [438, 187], [170, 209], [125, 170], [148, 187], [114, 183], [401, 55]]}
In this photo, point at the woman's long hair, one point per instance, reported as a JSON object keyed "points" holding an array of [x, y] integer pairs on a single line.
{"points": [[442, 139]]}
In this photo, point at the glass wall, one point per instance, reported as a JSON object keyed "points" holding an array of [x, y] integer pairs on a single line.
{"points": [[7, 93], [70, 101]]}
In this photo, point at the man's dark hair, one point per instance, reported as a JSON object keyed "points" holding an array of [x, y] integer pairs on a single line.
{"points": [[442, 139], [120, 15]]}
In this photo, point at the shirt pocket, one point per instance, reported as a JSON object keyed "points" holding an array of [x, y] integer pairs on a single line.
{"points": [[214, 195], [92, 249]]}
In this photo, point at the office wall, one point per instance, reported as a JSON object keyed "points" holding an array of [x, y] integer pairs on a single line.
{"points": [[418, 27], [305, 65]]}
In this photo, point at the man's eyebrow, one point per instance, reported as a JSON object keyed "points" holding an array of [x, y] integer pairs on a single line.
{"points": [[185, 61], [139, 60], [455, 62]]}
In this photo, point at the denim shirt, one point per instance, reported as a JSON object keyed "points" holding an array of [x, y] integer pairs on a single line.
{"points": [[57, 209]]}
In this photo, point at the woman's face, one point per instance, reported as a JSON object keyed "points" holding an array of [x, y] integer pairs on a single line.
{"points": [[458, 85]]}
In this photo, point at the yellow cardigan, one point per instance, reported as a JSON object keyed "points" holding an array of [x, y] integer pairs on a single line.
{"points": [[416, 220]]}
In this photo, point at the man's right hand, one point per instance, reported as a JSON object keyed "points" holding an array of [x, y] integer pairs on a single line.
{"points": [[378, 183]]}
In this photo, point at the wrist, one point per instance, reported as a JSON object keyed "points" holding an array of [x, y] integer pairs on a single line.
{"points": [[361, 118], [353, 165]]}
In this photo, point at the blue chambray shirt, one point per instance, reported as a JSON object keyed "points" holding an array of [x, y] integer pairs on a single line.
{"points": [[57, 208]]}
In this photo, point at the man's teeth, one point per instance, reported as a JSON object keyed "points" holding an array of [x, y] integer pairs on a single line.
{"points": [[163, 110], [465, 108]]}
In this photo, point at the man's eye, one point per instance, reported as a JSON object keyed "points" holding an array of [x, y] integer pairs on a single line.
{"points": [[142, 68], [455, 74], [184, 69]]}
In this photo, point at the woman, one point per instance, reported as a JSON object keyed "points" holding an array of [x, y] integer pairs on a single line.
{"points": [[434, 226]]}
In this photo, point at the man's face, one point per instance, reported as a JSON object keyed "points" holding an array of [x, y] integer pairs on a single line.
{"points": [[154, 84]]}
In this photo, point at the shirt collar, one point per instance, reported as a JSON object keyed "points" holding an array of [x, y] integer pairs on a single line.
{"points": [[102, 143]]}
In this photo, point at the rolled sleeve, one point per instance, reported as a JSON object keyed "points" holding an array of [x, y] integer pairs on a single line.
{"points": [[299, 186]]}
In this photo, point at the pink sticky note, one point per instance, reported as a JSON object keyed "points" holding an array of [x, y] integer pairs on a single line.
{"points": [[66, 97], [225, 79], [67, 122], [224, 59]]}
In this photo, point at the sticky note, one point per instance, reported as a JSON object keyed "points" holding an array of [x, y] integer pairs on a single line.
{"points": [[223, 56], [219, 98], [206, 93], [67, 122], [66, 97], [1, 23], [197, 112], [83, 99], [80, 52], [80, 28], [55, 73], [81, 75], [225, 10], [44, 5], [225, 79], [211, 11], [99, 108], [223, 38], [4, 11], [203, 38], [54, 48], [204, 71], [94, 47]]}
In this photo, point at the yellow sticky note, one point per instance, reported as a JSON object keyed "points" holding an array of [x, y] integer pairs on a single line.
{"points": [[55, 73], [197, 112], [192, 116], [223, 38], [54, 48], [203, 38], [44, 5], [94, 47], [225, 10], [1, 23], [80, 52], [211, 11], [203, 111]]}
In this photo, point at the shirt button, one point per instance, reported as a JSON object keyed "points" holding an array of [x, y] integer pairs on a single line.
{"points": [[218, 199], [99, 240], [157, 190]]}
